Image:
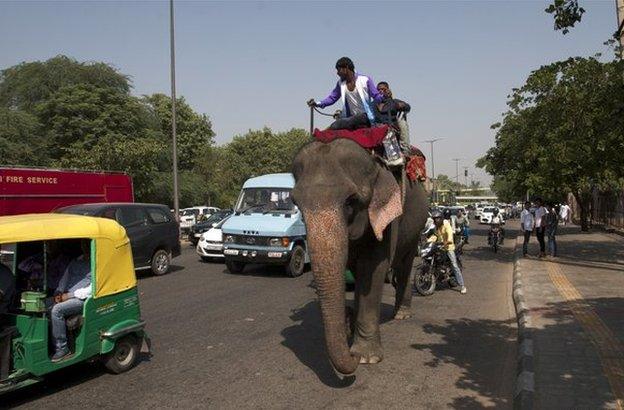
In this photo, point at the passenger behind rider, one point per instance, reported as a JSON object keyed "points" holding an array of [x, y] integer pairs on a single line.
{"points": [[356, 93], [463, 225], [443, 234], [497, 221], [74, 287], [394, 111]]}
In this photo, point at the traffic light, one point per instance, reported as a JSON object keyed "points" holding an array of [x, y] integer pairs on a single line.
{"points": [[465, 172]]}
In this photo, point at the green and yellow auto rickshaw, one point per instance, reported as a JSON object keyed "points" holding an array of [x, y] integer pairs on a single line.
{"points": [[110, 326]]}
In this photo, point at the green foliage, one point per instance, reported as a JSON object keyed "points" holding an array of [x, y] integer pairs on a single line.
{"points": [[563, 132], [19, 139], [27, 84], [255, 153], [193, 130], [566, 14]]}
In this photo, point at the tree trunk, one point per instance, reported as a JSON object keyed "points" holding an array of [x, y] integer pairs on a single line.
{"points": [[584, 203]]}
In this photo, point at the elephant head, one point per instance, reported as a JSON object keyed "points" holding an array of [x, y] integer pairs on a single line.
{"points": [[345, 196]]}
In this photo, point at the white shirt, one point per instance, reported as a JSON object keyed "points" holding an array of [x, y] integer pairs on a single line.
{"points": [[356, 106], [564, 211], [526, 218], [539, 216]]}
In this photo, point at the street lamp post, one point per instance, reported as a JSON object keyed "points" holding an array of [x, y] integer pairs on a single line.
{"points": [[176, 202], [434, 196]]}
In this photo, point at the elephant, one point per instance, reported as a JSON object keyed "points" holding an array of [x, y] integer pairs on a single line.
{"points": [[351, 206]]}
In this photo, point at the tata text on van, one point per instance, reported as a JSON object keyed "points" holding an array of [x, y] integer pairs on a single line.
{"points": [[266, 227]]}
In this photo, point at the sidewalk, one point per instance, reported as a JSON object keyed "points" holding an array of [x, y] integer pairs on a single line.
{"points": [[571, 323]]}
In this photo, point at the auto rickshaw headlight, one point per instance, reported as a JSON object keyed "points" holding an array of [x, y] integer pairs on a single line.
{"points": [[228, 239]]}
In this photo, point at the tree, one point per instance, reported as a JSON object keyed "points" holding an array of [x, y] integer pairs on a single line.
{"points": [[83, 114], [255, 153], [566, 14], [563, 132], [20, 142], [25, 85], [193, 130]]}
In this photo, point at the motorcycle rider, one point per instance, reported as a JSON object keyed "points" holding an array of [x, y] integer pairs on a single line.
{"points": [[443, 234], [497, 221]]}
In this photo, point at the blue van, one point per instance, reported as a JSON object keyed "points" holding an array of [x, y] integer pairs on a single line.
{"points": [[266, 227]]}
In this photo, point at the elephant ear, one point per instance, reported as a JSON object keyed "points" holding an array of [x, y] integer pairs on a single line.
{"points": [[385, 204]]}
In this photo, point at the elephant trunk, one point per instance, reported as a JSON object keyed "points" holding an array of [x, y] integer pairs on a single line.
{"points": [[327, 240]]}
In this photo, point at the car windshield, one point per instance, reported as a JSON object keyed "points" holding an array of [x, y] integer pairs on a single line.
{"points": [[488, 210], [265, 200]]}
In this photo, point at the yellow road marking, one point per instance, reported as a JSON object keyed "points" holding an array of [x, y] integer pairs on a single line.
{"points": [[610, 350]]}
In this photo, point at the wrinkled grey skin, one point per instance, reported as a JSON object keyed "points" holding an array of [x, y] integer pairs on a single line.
{"points": [[335, 183]]}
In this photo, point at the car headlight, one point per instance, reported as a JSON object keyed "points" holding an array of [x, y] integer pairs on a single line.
{"points": [[275, 242], [228, 239]]}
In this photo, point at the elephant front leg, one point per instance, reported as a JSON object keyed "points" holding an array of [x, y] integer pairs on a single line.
{"points": [[403, 296], [371, 271]]}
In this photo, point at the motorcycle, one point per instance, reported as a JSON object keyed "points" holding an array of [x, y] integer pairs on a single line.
{"points": [[494, 237], [435, 269]]}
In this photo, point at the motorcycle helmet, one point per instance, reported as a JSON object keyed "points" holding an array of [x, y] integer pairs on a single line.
{"points": [[447, 213], [495, 211]]}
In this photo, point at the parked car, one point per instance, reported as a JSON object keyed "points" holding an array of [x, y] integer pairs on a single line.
{"points": [[199, 228], [190, 216], [152, 229], [210, 244]]}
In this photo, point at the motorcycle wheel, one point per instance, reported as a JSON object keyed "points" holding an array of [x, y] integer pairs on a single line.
{"points": [[425, 282]]}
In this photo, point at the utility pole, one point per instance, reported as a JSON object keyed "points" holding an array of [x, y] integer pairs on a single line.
{"points": [[457, 169], [619, 5], [176, 199], [434, 197]]}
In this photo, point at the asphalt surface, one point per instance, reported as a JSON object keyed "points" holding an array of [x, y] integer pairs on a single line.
{"points": [[256, 341]]}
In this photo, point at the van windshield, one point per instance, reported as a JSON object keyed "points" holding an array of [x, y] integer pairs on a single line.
{"points": [[265, 200]]}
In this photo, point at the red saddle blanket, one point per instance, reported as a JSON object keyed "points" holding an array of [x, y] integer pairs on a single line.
{"points": [[366, 137]]}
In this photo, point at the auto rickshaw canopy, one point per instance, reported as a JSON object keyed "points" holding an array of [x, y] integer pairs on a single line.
{"points": [[114, 269]]}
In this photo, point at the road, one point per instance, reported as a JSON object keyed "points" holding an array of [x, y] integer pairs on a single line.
{"points": [[255, 341]]}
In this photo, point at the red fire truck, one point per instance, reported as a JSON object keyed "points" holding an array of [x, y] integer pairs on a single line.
{"points": [[32, 190]]}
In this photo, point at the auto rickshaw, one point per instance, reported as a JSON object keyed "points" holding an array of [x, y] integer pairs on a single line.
{"points": [[110, 326]]}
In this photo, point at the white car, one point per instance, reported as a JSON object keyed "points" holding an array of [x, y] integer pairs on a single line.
{"points": [[210, 243], [486, 215]]}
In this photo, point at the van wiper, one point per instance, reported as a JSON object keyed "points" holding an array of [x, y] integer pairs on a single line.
{"points": [[249, 208]]}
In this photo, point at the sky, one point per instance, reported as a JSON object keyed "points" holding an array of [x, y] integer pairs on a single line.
{"points": [[253, 64]]}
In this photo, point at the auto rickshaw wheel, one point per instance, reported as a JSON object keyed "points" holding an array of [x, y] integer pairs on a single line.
{"points": [[161, 262], [124, 355]]}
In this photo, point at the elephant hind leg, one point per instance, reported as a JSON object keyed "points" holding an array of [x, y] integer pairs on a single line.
{"points": [[403, 296]]}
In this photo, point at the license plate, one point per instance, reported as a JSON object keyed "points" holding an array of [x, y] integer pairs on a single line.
{"points": [[213, 247]]}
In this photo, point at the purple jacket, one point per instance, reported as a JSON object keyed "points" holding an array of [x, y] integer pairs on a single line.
{"points": [[336, 94]]}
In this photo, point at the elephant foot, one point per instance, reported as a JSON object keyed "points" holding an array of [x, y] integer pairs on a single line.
{"points": [[370, 353], [402, 314]]}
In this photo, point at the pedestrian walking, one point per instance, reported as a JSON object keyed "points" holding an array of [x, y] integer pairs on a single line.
{"points": [[565, 213], [552, 221], [527, 223], [540, 225]]}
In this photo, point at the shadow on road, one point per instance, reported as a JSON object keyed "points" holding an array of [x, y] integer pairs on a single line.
{"points": [[306, 339], [569, 369]]}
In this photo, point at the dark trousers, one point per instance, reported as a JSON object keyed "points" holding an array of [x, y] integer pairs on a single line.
{"points": [[539, 232], [351, 123], [525, 245]]}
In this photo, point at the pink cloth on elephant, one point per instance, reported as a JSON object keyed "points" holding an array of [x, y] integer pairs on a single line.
{"points": [[365, 137]]}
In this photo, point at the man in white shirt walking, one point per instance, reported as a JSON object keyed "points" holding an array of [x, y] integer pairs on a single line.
{"points": [[527, 223], [540, 225], [564, 213]]}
